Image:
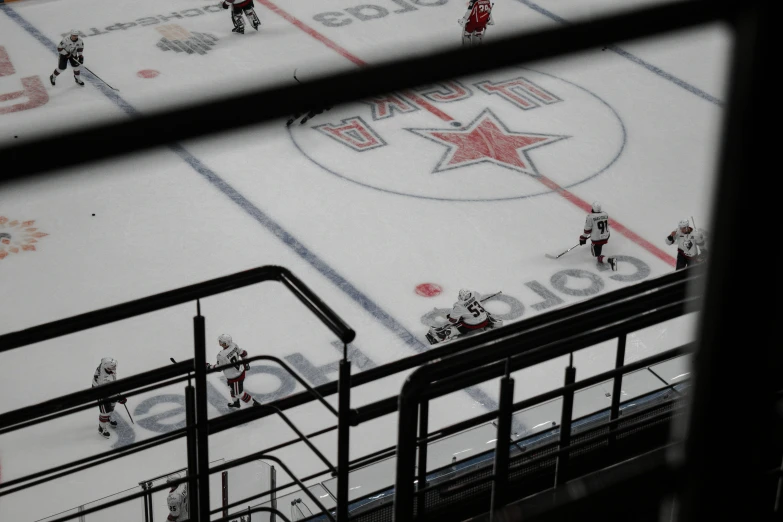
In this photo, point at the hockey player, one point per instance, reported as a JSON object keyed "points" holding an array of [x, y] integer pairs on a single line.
{"points": [[701, 237], [466, 316], [475, 22], [230, 353], [237, 7], [178, 500], [597, 231], [70, 50], [106, 373], [687, 244]]}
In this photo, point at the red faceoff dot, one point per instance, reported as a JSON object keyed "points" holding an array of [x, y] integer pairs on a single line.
{"points": [[428, 289], [147, 73]]}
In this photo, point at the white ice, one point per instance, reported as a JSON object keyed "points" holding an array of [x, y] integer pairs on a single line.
{"points": [[645, 114]]}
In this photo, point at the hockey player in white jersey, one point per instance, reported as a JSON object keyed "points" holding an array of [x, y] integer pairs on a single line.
{"points": [[466, 316], [106, 373], [688, 243], [237, 8], [179, 508], [70, 51], [597, 231], [230, 353]]}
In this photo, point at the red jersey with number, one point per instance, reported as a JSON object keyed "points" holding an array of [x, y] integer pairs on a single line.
{"points": [[479, 16]]}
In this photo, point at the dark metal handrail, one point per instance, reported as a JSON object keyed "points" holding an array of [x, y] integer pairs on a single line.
{"points": [[179, 296]]}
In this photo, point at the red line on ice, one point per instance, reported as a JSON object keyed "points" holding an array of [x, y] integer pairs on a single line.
{"points": [[6, 67], [569, 196]]}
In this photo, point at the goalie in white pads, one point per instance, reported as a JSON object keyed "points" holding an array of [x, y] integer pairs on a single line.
{"points": [[179, 509], [230, 353], [106, 373], [70, 51], [597, 231], [237, 8], [466, 316]]}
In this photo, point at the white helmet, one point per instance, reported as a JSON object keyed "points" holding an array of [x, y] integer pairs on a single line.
{"points": [[465, 294], [683, 223], [596, 206], [74, 32], [109, 365], [171, 478], [224, 340]]}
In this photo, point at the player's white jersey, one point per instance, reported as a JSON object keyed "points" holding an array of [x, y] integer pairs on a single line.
{"points": [[178, 504], [67, 47], [686, 242], [232, 355], [469, 312], [597, 226], [102, 377]]}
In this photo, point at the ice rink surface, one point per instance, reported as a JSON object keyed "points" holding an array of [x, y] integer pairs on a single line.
{"points": [[462, 184]]}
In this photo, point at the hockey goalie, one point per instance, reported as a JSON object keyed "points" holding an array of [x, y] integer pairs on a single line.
{"points": [[467, 316]]}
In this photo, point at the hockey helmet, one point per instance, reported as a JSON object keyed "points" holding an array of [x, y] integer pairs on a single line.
{"points": [[684, 223], [171, 478], [465, 294], [74, 32], [109, 365], [596, 206], [224, 339]]}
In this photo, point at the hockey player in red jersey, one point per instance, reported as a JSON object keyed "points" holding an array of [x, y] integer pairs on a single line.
{"points": [[475, 22], [237, 8]]}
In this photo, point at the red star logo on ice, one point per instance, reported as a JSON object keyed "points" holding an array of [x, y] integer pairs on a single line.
{"points": [[486, 139]]}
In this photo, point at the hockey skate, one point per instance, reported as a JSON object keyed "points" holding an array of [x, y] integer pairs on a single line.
{"points": [[256, 403], [441, 334], [103, 432], [240, 30], [113, 424], [78, 80], [234, 404], [256, 22], [613, 263], [52, 78]]}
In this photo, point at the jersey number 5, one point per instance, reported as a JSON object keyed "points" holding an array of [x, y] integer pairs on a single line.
{"points": [[475, 308]]}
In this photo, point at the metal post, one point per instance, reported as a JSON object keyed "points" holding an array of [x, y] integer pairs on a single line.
{"points": [[617, 389], [192, 445], [561, 474], [147, 504], [343, 436], [202, 440], [503, 443], [406, 457], [224, 495], [273, 484], [424, 413]]}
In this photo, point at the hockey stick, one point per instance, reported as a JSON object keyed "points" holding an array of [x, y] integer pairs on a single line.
{"points": [[101, 79], [172, 360], [693, 221], [129, 415], [490, 296], [558, 256]]}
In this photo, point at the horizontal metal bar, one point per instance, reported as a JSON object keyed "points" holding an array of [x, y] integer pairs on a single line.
{"points": [[250, 511], [288, 369], [193, 121], [92, 461], [36, 419], [122, 500], [176, 297]]}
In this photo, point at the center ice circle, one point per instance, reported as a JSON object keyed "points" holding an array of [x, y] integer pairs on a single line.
{"points": [[584, 137]]}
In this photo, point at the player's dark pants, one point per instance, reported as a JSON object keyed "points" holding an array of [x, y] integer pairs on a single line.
{"points": [[684, 261], [106, 407], [65, 60]]}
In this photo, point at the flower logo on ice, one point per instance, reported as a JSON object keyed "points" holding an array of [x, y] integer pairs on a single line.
{"points": [[17, 236]]}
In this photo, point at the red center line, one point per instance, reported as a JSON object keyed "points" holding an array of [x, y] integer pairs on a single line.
{"points": [[569, 196]]}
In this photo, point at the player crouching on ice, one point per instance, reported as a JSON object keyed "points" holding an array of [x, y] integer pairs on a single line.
{"points": [[467, 316], [475, 22], [70, 50], [597, 231], [239, 6]]}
